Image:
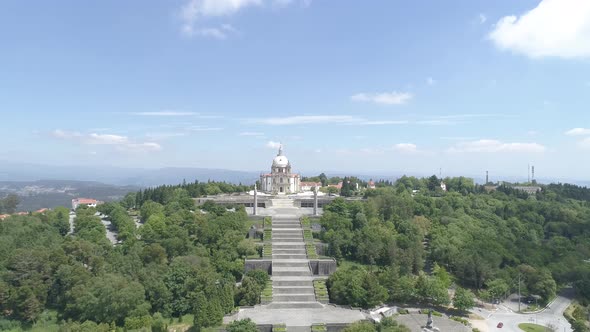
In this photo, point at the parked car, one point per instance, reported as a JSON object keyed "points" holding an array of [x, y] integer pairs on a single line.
{"points": [[500, 325]]}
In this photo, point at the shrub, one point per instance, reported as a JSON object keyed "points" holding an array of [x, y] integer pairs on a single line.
{"points": [[243, 325]]}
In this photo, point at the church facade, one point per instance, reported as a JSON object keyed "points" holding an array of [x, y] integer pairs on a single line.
{"points": [[280, 180]]}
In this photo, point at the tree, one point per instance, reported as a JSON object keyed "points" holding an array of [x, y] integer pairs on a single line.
{"points": [[498, 288], [388, 324], [463, 299], [207, 312], [129, 200], [106, 299], [360, 327], [433, 183], [10, 202], [150, 208], [243, 325], [60, 219]]}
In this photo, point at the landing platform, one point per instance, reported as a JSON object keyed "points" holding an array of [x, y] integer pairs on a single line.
{"points": [[328, 314]]}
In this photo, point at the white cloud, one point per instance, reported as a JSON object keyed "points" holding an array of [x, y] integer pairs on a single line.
{"points": [[383, 122], [106, 139], [482, 18], [436, 122], [250, 133], [430, 81], [383, 98], [164, 135], [164, 113], [121, 143], [405, 147], [196, 11], [555, 28], [201, 8], [221, 32], [307, 119], [578, 132], [273, 145], [58, 133], [492, 146], [203, 128]]}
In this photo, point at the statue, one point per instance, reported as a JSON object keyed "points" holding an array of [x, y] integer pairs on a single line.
{"points": [[430, 324], [429, 320]]}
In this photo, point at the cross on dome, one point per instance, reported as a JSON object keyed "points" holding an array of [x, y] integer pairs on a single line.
{"points": [[280, 150]]}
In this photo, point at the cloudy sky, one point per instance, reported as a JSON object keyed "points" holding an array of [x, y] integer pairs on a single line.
{"points": [[370, 86]]}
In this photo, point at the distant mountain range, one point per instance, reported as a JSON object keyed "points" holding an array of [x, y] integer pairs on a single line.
{"points": [[40, 194], [41, 186], [140, 177]]}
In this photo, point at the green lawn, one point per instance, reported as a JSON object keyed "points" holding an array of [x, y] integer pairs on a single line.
{"points": [[528, 327]]}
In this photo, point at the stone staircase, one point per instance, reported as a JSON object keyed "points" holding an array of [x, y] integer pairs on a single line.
{"points": [[292, 282], [282, 203]]}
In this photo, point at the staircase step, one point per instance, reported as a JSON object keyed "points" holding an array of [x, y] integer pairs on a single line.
{"points": [[292, 283], [288, 239], [296, 264], [298, 328], [287, 245], [287, 232], [289, 255], [289, 273], [293, 290], [286, 251], [295, 305], [293, 298]]}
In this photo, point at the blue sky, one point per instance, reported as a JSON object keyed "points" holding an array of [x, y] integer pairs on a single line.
{"points": [[361, 86]]}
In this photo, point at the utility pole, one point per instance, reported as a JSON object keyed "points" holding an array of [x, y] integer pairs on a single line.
{"points": [[519, 293]]}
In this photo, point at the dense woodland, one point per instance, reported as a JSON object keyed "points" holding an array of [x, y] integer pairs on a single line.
{"points": [[396, 246], [179, 262], [411, 247]]}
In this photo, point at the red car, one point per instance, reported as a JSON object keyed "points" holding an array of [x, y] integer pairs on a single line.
{"points": [[500, 325]]}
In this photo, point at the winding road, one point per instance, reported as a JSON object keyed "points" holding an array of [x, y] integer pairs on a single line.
{"points": [[551, 315]]}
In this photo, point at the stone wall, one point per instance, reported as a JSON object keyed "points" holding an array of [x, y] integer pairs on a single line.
{"points": [[264, 327], [258, 264], [336, 327], [321, 248], [322, 267]]}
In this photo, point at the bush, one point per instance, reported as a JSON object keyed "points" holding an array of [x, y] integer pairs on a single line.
{"points": [[136, 323], [279, 328], [360, 327], [260, 276], [244, 325], [460, 320], [159, 323]]}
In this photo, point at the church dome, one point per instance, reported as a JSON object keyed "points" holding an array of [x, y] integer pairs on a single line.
{"points": [[280, 160]]}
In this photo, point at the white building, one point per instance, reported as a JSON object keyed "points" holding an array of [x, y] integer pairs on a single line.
{"points": [[280, 180], [84, 201], [309, 186]]}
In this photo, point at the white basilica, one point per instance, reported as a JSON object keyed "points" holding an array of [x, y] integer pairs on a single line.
{"points": [[280, 180]]}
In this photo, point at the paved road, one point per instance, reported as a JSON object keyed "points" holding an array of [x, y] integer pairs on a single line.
{"points": [[553, 315]]}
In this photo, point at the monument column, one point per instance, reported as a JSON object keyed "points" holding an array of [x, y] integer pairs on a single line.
{"points": [[255, 207], [315, 201]]}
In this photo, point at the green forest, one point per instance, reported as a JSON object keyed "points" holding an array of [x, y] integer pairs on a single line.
{"points": [[178, 263], [406, 242], [407, 246]]}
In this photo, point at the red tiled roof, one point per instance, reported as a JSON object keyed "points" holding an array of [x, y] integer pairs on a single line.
{"points": [[311, 184], [84, 200]]}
